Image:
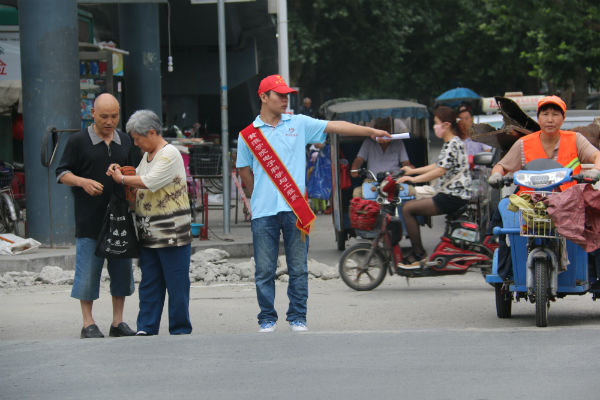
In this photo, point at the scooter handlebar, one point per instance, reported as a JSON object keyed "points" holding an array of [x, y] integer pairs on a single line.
{"points": [[505, 181], [582, 179]]}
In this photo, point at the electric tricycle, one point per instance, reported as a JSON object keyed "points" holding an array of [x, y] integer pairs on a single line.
{"points": [[536, 247]]}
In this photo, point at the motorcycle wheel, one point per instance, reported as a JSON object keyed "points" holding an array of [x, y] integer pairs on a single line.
{"points": [[541, 293], [503, 302], [355, 271]]}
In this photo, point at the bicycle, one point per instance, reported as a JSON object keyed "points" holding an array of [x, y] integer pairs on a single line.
{"points": [[10, 212]]}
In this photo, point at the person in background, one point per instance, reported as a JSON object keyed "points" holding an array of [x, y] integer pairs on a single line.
{"points": [[83, 166], [272, 164], [306, 107], [383, 156], [454, 183], [163, 214], [319, 206], [465, 125]]}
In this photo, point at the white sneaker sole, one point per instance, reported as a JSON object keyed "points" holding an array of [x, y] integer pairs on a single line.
{"points": [[298, 328], [268, 330]]}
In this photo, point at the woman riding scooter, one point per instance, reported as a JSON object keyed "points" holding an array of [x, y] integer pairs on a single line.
{"points": [[453, 185], [570, 149]]}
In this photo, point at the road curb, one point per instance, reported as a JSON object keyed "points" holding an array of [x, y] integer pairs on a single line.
{"points": [[65, 257]]}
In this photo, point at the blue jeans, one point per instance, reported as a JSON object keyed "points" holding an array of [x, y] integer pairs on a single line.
{"points": [[88, 270], [265, 237], [166, 268]]}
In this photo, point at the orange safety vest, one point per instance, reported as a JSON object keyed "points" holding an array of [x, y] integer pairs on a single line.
{"points": [[567, 153]]}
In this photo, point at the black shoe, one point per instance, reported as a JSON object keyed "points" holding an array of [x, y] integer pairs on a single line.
{"points": [[121, 330], [91, 331]]}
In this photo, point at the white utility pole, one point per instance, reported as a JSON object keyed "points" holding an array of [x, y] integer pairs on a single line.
{"points": [[282, 32]]}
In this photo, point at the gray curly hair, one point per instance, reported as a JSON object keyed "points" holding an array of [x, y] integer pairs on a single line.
{"points": [[142, 121]]}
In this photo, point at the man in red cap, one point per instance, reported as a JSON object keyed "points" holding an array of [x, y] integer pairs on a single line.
{"points": [[272, 164], [570, 149]]}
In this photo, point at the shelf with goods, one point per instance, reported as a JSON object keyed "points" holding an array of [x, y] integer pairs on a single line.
{"points": [[95, 77]]}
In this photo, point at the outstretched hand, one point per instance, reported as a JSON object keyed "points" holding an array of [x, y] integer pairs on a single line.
{"points": [[380, 133], [408, 170], [405, 178]]}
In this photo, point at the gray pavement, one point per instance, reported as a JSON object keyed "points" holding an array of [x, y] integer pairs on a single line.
{"points": [[433, 338]]}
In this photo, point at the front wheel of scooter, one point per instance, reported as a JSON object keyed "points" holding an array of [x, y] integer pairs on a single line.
{"points": [[541, 293], [362, 269]]}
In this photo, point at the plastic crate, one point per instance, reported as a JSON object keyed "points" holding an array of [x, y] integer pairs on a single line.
{"points": [[205, 160]]}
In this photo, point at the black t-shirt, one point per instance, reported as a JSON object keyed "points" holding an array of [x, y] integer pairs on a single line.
{"points": [[88, 160]]}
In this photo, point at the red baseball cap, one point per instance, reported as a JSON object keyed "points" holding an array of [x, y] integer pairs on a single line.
{"points": [[552, 100], [275, 83]]}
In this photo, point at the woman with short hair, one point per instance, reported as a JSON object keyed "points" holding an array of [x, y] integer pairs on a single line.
{"points": [[163, 218]]}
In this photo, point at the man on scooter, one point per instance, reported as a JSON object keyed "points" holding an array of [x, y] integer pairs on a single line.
{"points": [[383, 156]]}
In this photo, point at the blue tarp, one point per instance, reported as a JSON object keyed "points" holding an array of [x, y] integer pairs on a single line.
{"points": [[368, 110]]}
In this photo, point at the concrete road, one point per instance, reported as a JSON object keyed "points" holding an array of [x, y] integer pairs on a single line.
{"points": [[432, 338]]}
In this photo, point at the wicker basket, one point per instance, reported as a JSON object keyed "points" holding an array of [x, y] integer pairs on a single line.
{"points": [[363, 214], [536, 222]]}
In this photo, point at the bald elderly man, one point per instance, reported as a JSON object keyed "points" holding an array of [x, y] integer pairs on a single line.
{"points": [[83, 166]]}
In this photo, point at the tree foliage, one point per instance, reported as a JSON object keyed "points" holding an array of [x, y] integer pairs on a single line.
{"points": [[417, 50]]}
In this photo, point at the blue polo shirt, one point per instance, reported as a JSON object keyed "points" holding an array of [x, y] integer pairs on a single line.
{"points": [[288, 139]]}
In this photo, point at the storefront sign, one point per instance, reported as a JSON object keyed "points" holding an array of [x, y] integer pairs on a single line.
{"points": [[10, 56], [527, 103]]}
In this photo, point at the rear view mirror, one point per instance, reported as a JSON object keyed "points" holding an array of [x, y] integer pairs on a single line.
{"points": [[484, 158]]}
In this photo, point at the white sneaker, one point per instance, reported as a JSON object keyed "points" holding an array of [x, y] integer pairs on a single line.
{"points": [[268, 327], [298, 326]]}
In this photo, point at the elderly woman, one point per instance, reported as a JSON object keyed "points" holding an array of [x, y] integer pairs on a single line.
{"points": [[570, 149], [453, 185], [163, 217]]}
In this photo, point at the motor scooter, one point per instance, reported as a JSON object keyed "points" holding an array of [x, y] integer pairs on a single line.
{"points": [[364, 266], [536, 246]]}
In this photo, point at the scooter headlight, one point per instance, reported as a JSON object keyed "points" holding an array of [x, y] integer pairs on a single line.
{"points": [[541, 180]]}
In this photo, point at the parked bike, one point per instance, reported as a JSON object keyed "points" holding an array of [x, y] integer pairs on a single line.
{"points": [[535, 247], [463, 246], [10, 212]]}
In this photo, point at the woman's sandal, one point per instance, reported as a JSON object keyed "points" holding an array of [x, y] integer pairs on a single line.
{"points": [[412, 261]]}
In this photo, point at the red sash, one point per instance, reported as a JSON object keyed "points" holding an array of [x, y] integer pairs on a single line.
{"points": [[279, 175]]}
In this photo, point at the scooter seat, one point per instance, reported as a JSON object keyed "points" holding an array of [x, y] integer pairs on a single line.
{"points": [[458, 213]]}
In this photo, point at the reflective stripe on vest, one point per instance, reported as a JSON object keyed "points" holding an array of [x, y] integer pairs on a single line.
{"points": [[567, 153]]}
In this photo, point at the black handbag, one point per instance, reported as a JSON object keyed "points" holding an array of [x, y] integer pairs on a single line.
{"points": [[118, 237]]}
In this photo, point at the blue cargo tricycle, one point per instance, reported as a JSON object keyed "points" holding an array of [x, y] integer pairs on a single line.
{"points": [[535, 247]]}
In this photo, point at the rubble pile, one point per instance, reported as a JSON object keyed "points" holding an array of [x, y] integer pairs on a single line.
{"points": [[206, 266]]}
